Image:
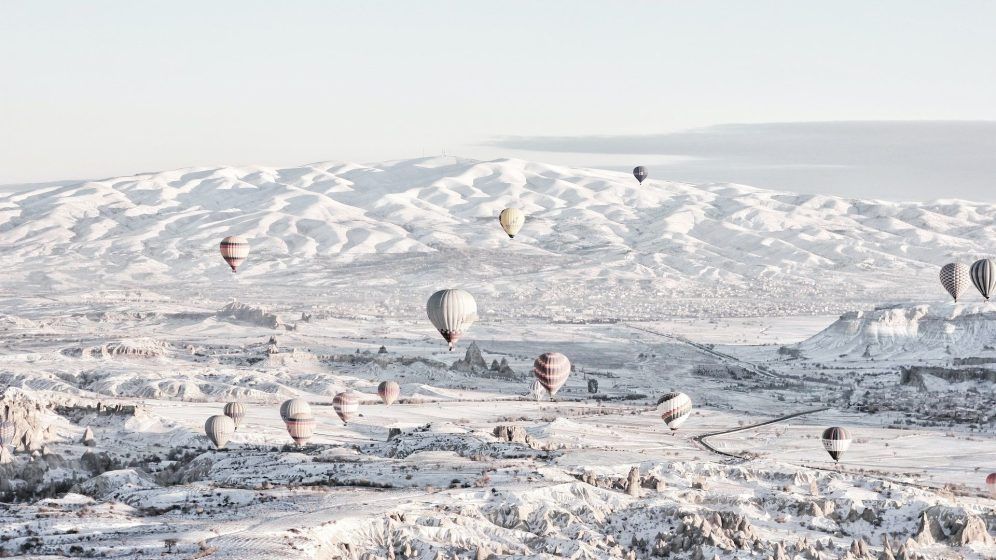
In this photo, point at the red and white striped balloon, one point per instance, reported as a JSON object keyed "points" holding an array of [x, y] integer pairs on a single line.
{"points": [[551, 370], [301, 427], [346, 405], [389, 391], [234, 250]]}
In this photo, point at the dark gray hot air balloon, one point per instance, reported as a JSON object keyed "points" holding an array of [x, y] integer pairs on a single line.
{"points": [[954, 278], [640, 172], [983, 273]]}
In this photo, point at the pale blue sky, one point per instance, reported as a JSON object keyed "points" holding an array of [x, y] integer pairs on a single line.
{"points": [[91, 89]]}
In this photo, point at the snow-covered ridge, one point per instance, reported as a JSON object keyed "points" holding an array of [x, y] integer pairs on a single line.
{"points": [[162, 227], [909, 332]]}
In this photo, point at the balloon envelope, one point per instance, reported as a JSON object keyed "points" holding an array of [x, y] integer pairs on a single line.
{"points": [[389, 391], [234, 250], [640, 172], [7, 432], [219, 429], [836, 441], [675, 408], [452, 312], [301, 426], [235, 411], [551, 370], [954, 278], [294, 406], [983, 273], [346, 405], [991, 482], [511, 220]]}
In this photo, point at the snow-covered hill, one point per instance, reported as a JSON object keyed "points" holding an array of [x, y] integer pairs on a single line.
{"points": [[431, 222], [909, 333]]}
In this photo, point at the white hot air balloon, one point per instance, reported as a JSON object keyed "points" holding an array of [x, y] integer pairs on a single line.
{"points": [[301, 427], [452, 312], [294, 406], [675, 409], [234, 250], [511, 220], [236, 411], [219, 429]]}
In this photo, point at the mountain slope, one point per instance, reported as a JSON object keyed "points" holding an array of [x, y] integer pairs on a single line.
{"points": [[332, 224]]}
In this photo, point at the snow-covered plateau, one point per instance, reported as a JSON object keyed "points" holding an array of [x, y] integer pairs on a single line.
{"points": [[122, 331]]}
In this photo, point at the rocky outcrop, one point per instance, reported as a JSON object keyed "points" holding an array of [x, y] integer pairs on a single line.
{"points": [[472, 362], [244, 313], [88, 439]]}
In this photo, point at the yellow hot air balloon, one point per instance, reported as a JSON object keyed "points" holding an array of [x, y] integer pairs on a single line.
{"points": [[511, 220]]}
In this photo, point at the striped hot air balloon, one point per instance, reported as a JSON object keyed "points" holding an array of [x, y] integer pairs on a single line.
{"points": [[954, 278], [294, 406], [675, 408], [983, 273], [236, 411], [991, 482], [452, 312], [346, 405], [301, 426], [551, 370], [640, 172], [7, 432], [836, 441], [389, 391], [219, 429], [234, 250], [511, 220]]}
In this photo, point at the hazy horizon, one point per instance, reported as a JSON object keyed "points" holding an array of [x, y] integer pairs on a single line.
{"points": [[107, 89]]}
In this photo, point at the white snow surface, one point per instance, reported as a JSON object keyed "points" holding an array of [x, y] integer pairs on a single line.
{"points": [[118, 316]]}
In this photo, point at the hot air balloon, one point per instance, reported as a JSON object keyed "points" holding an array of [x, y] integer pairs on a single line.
{"points": [[389, 391], [954, 278], [511, 220], [234, 250], [675, 408], [346, 405], [219, 428], [294, 406], [836, 441], [452, 312], [551, 370], [235, 411], [991, 482], [983, 273], [7, 432], [640, 172], [301, 426]]}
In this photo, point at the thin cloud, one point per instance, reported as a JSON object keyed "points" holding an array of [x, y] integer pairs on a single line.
{"points": [[884, 159]]}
